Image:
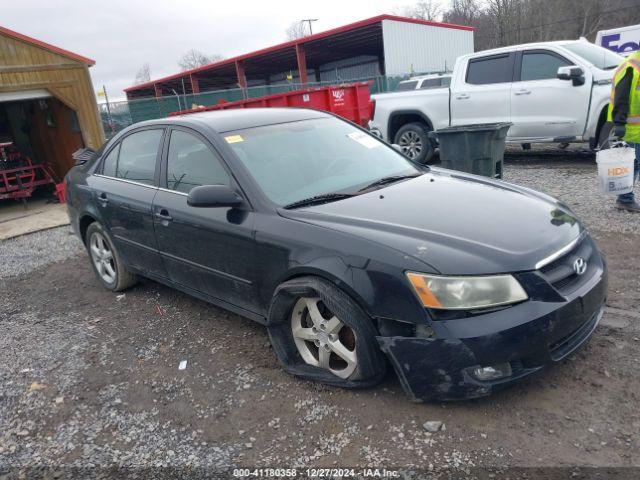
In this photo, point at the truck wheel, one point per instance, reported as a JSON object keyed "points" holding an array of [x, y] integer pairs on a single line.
{"points": [[603, 136], [319, 333], [413, 140]]}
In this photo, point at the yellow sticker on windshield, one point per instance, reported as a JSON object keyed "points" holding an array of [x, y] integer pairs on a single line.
{"points": [[234, 138]]}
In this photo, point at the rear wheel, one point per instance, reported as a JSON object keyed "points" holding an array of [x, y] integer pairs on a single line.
{"points": [[105, 260], [319, 333], [413, 140]]}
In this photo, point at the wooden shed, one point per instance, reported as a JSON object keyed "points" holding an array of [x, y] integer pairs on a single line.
{"points": [[48, 107]]}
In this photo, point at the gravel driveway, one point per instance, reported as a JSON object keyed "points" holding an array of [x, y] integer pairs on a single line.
{"points": [[91, 379]]}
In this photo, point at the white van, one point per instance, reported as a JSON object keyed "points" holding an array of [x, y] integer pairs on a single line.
{"points": [[624, 40]]}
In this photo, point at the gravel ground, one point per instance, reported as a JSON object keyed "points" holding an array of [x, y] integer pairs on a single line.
{"points": [[572, 180], [90, 380], [29, 252]]}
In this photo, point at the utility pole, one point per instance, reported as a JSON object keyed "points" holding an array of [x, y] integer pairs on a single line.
{"points": [[106, 99], [309, 20]]}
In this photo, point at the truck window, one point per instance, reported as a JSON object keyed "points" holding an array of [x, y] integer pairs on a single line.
{"points": [[494, 69], [402, 86], [446, 81], [431, 83], [541, 65]]}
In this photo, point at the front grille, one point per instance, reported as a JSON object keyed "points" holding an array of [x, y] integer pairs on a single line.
{"points": [[561, 273], [563, 347]]}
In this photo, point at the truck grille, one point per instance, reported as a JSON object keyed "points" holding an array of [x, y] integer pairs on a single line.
{"points": [[561, 273]]}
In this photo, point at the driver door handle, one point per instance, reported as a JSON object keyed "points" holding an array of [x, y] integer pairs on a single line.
{"points": [[522, 92], [102, 198], [463, 96], [163, 214]]}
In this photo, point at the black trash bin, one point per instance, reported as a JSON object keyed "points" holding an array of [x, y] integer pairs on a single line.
{"points": [[477, 149]]}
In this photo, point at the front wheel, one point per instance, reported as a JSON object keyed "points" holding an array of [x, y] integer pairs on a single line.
{"points": [[413, 140], [319, 333], [604, 136]]}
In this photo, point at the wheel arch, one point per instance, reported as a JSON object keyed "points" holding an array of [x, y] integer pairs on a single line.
{"points": [[602, 119], [85, 220], [399, 118], [335, 280]]}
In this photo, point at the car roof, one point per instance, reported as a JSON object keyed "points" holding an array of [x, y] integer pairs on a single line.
{"points": [[240, 118]]}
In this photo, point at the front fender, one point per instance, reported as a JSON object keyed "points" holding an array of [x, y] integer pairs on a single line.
{"points": [[598, 107]]}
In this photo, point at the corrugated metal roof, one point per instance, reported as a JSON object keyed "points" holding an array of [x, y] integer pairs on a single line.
{"points": [[283, 49]]}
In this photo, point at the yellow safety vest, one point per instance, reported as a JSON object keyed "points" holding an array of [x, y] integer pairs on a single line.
{"points": [[633, 120]]}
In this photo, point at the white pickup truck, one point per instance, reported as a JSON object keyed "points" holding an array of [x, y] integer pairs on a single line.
{"points": [[551, 92]]}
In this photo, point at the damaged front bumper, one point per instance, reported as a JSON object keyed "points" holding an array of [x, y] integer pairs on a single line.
{"points": [[443, 368]]}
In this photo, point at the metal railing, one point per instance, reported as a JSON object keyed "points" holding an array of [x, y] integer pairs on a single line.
{"points": [[120, 115]]}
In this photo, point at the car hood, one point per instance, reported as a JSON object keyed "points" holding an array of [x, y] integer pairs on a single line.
{"points": [[453, 222]]}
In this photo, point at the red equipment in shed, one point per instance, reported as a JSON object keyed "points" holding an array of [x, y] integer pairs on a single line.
{"points": [[351, 101], [19, 176]]}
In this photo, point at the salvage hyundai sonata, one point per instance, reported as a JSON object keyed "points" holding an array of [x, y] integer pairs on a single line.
{"points": [[351, 255]]}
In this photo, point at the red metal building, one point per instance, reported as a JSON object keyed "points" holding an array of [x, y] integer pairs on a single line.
{"points": [[382, 45]]}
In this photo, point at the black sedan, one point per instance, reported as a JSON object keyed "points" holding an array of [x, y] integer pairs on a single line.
{"points": [[351, 255]]}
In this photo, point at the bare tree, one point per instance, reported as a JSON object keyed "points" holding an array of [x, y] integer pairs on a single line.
{"points": [[143, 75], [463, 12], [424, 10], [297, 30], [195, 58], [507, 22]]}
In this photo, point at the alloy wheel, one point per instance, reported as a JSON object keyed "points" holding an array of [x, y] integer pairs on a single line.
{"points": [[102, 258], [322, 339], [410, 144]]}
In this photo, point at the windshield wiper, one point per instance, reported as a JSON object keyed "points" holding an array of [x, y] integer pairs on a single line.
{"points": [[390, 179], [319, 199]]}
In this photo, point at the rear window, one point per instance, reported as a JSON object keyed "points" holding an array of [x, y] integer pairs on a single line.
{"points": [[431, 83], [110, 163], [487, 70], [406, 86], [137, 158]]}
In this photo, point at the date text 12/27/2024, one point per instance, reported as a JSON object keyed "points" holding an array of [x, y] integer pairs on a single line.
{"points": [[315, 472]]}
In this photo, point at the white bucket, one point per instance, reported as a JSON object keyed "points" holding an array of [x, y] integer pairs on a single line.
{"points": [[615, 170]]}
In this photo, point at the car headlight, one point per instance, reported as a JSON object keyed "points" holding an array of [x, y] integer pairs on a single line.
{"points": [[466, 293]]}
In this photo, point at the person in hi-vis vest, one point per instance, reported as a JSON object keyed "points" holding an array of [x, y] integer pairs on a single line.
{"points": [[624, 112]]}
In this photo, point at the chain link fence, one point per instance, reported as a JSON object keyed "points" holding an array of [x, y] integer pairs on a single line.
{"points": [[120, 115]]}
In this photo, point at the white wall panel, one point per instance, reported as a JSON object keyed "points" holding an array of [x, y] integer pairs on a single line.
{"points": [[411, 47]]}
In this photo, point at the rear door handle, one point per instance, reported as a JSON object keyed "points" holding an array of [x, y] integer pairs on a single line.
{"points": [[523, 92], [163, 214], [463, 96]]}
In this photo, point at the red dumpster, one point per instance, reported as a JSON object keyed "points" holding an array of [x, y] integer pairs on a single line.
{"points": [[351, 101]]}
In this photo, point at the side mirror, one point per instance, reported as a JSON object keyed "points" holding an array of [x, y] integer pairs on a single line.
{"points": [[575, 74], [213, 196]]}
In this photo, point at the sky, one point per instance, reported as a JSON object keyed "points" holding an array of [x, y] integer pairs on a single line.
{"points": [[121, 35]]}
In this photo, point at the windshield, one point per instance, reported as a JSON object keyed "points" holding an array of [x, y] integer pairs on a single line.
{"points": [[599, 57], [299, 160]]}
